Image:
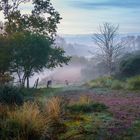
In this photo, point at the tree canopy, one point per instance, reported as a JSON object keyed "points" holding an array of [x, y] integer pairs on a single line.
{"points": [[130, 65], [31, 38]]}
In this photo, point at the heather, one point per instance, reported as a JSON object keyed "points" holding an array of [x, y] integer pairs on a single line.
{"points": [[87, 114]]}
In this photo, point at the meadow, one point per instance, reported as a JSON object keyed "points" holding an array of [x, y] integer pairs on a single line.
{"points": [[93, 111]]}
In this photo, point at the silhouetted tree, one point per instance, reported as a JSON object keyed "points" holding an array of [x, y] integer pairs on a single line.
{"points": [[109, 45], [32, 37]]}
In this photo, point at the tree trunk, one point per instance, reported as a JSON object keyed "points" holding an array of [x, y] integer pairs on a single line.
{"points": [[28, 86]]}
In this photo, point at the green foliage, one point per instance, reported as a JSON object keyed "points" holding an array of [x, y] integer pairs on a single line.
{"points": [[10, 95], [33, 22], [135, 130], [107, 82], [133, 83], [130, 66], [101, 82], [116, 84], [87, 108], [31, 38], [5, 78], [5, 60], [31, 53]]}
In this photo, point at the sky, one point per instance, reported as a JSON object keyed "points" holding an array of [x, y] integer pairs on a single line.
{"points": [[85, 16]]}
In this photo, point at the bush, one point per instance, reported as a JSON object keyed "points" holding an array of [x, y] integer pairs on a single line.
{"points": [[116, 84], [133, 83], [10, 95], [130, 66], [101, 82], [87, 108], [25, 122], [29, 121]]}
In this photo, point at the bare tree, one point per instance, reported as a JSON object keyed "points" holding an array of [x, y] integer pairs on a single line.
{"points": [[110, 46]]}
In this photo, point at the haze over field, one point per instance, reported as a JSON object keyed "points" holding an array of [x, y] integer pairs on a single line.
{"points": [[81, 46], [81, 20]]}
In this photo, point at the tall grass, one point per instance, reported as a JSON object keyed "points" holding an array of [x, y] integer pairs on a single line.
{"points": [[29, 121], [55, 108], [85, 99]]}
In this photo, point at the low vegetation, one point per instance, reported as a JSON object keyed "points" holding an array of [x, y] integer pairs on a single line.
{"points": [[86, 105], [132, 83], [62, 119]]}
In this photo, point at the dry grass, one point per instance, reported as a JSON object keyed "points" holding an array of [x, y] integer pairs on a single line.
{"points": [[55, 108], [85, 99], [3, 110], [29, 121], [29, 118]]}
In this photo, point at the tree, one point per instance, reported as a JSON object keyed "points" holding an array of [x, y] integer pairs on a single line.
{"points": [[43, 18], [32, 53], [110, 48], [32, 37], [5, 59], [130, 65]]}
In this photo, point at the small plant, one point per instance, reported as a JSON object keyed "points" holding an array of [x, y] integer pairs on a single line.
{"points": [[10, 95]]}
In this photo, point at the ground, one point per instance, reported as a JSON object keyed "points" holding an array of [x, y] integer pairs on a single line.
{"points": [[121, 119]]}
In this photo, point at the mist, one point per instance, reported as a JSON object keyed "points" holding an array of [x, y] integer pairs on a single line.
{"points": [[85, 63]]}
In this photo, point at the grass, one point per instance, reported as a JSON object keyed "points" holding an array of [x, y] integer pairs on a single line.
{"points": [[85, 104], [87, 108], [55, 108], [132, 83], [82, 116]]}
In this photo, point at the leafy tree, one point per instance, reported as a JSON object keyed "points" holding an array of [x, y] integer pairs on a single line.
{"points": [[32, 53], [32, 37], [43, 18], [5, 59], [130, 65]]}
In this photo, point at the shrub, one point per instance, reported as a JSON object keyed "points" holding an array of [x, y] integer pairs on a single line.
{"points": [[55, 108], [87, 108], [116, 84], [10, 95], [29, 121], [55, 113], [133, 83], [25, 122], [5, 78], [130, 66], [101, 82]]}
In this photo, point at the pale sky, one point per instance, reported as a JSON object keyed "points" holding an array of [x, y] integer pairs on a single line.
{"points": [[84, 16]]}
